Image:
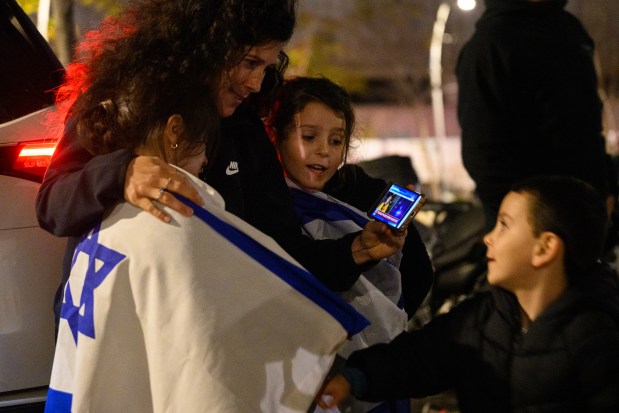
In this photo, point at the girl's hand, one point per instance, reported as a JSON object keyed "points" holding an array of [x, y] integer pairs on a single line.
{"points": [[375, 242]]}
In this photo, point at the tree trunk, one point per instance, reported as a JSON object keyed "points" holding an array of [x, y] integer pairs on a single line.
{"points": [[65, 38]]}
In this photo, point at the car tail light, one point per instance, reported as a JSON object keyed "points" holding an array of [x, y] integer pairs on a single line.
{"points": [[28, 160]]}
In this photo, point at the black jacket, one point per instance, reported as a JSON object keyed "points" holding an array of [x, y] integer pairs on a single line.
{"points": [[352, 185], [568, 361], [258, 193], [78, 188], [528, 98]]}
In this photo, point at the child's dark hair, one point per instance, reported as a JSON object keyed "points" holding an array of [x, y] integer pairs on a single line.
{"points": [[573, 210], [296, 93]]}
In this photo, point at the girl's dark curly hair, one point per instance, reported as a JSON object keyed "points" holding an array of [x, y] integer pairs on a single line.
{"points": [[161, 57]]}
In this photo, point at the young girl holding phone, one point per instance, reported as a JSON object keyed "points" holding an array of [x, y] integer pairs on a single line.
{"points": [[311, 125]]}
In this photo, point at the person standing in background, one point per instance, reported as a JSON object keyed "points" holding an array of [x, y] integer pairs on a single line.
{"points": [[528, 102]]}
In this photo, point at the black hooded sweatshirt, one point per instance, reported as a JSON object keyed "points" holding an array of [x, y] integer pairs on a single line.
{"points": [[568, 361], [528, 99]]}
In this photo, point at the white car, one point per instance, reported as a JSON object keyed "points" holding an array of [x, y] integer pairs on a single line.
{"points": [[30, 258]]}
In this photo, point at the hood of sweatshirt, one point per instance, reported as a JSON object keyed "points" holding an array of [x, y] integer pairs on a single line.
{"points": [[597, 291], [500, 6]]}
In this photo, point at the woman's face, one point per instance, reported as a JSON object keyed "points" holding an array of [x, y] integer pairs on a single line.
{"points": [[314, 146], [246, 77]]}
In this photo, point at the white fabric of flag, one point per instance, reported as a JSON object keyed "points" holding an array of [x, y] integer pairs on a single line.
{"points": [[377, 292], [204, 314]]}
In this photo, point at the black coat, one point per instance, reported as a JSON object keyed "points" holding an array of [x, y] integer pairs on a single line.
{"points": [[567, 362], [528, 98]]}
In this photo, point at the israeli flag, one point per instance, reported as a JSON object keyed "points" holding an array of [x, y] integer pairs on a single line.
{"points": [[378, 291], [205, 314]]}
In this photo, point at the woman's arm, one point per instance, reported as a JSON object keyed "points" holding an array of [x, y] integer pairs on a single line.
{"points": [[78, 186]]}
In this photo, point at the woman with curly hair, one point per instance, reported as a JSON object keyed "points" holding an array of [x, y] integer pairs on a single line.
{"points": [[197, 314], [134, 70]]}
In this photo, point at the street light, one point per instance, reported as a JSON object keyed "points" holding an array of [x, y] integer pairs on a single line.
{"points": [[467, 5], [436, 72]]}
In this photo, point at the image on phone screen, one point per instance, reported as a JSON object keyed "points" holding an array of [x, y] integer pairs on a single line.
{"points": [[397, 206]]}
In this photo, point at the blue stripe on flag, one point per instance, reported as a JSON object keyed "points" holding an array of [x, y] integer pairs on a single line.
{"points": [[309, 208], [304, 282], [58, 401]]}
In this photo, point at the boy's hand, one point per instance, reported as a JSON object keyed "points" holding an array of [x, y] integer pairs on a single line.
{"points": [[334, 392]]}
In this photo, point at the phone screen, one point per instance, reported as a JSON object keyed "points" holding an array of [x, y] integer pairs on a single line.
{"points": [[397, 206]]}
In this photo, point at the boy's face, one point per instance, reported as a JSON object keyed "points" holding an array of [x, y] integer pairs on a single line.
{"points": [[313, 148], [511, 245]]}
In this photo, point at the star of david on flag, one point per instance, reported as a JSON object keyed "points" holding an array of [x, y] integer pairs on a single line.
{"points": [[101, 261]]}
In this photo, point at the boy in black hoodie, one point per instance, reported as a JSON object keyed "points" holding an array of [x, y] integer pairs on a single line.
{"points": [[545, 337]]}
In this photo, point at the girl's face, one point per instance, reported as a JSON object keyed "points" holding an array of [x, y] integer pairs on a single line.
{"points": [[511, 245], [193, 164], [176, 150], [246, 77], [314, 146]]}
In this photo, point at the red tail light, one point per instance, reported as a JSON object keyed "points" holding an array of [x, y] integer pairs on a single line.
{"points": [[33, 159]]}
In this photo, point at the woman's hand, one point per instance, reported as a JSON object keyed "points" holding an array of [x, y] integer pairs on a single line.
{"points": [[375, 242], [150, 180]]}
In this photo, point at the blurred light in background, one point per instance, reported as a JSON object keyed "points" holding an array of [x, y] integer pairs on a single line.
{"points": [[467, 4]]}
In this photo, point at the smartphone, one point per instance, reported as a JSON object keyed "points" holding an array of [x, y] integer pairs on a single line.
{"points": [[397, 206]]}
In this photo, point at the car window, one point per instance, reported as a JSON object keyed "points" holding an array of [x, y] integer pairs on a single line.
{"points": [[27, 62]]}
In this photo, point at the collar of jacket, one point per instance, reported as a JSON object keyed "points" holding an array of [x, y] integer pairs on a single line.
{"points": [[599, 289]]}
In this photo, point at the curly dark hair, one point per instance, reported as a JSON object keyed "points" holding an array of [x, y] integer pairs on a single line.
{"points": [[161, 57]]}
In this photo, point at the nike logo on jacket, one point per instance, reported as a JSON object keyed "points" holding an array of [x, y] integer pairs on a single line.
{"points": [[232, 168]]}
